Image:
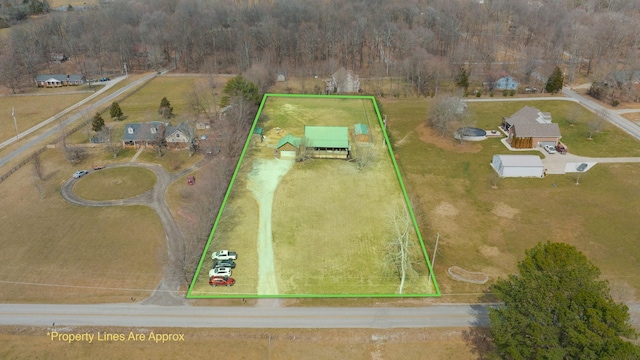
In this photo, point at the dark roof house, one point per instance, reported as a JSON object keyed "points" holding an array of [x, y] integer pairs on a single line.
{"points": [[179, 136], [146, 134]]}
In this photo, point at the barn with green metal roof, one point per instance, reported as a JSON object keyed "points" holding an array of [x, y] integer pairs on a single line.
{"points": [[327, 142]]}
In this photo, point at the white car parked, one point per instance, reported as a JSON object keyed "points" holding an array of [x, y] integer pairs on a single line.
{"points": [[220, 271], [550, 149], [80, 173]]}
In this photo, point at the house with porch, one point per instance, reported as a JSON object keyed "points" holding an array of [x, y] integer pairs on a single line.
{"points": [[59, 80], [143, 134]]}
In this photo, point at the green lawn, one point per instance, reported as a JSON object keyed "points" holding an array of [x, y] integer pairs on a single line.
{"points": [[485, 229], [115, 183]]}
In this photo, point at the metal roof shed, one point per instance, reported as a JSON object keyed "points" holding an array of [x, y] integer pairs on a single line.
{"points": [[518, 165]]}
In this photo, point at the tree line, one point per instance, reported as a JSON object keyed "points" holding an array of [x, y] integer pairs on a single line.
{"points": [[418, 40]]}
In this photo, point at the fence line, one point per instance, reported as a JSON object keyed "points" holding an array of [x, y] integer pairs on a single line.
{"points": [[22, 163]]}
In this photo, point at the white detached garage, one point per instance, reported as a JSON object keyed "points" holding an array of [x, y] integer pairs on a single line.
{"points": [[518, 165]]}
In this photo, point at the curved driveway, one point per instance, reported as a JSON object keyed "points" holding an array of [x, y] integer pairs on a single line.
{"points": [[167, 292]]}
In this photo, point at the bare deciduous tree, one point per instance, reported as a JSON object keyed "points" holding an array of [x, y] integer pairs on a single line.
{"points": [[235, 125], [39, 177], [113, 145], [594, 126], [204, 208], [364, 155], [444, 112], [399, 248]]}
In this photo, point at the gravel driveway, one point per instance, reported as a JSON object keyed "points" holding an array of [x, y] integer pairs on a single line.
{"points": [[263, 181]]}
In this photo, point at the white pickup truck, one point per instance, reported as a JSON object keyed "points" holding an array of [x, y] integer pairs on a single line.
{"points": [[224, 255]]}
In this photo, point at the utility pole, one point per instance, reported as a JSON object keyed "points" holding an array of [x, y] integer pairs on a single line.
{"points": [[15, 123]]}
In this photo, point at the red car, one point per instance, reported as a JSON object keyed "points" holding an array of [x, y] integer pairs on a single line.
{"points": [[191, 180], [221, 281]]}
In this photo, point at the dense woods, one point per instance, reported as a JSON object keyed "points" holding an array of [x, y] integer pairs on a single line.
{"points": [[421, 41]]}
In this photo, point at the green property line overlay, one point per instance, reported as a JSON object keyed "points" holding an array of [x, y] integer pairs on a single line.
{"points": [[233, 178]]}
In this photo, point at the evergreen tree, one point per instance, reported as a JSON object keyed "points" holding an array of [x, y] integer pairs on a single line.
{"points": [[239, 87], [555, 81], [165, 109], [97, 123], [557, 308], [115, 111], [463, 79]]}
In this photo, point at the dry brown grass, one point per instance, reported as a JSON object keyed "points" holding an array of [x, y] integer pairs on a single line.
{"points": [[59, 253], [331, 222], [57, 3], [31, 110], [32, 343], [492, 228]]}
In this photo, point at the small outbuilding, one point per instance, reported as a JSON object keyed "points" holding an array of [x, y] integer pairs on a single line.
{"points": [[518, 165], [361, 133], [288, 147]]}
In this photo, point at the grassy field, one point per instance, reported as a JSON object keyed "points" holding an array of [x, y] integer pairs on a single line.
{"points": [[635, 117], [57, 3], [55, 252], [143, 106], [331, 223], [33, 343], [335, 220], [31, 110], [115, 183], [488, 230]]}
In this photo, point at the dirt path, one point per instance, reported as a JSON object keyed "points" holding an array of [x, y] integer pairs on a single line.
{"points": [[263, 181]]}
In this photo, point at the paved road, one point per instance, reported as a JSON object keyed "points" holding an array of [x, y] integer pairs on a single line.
{"points": [[60, 114], [167, 291], [624, 124], [610, 115], [30, 143], [135, 315], [502, 99]]}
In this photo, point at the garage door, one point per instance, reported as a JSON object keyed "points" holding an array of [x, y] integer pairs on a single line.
{"points": [[289, 154], [543, 143]]}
